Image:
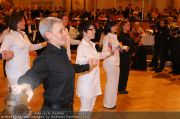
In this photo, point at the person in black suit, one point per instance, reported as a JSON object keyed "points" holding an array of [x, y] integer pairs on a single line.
{"points": [[161, 33], [128, 11], [125, 56], [175, 47]]}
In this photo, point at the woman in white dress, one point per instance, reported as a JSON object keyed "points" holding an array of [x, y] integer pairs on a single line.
{"points": [[88, 84], [111, 65], [17, 41]]}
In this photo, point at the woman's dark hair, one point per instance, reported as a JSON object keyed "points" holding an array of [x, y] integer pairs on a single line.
{"points": [[14, 19], [84, 26], [123, 22], [108, 26], [61, 15]]}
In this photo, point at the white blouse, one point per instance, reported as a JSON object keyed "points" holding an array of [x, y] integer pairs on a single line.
{"points": [[110, 40], [20, 63], [88, 84]]}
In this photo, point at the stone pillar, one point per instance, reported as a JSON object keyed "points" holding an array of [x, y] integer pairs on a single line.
{"points": [[84, 5], [176, 4], [115, 4], [68, 5]]}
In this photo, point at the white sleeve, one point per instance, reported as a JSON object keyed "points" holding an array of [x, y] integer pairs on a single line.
{"points": [[3, 34], [73, 32], [74, 42], [81, 58], [7, 43], [33, 46], [106, 42], [105, 51], [103, 54], [115, 44]]}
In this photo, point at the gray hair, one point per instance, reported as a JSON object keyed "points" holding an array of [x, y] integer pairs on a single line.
{"points": [[46, 25]]}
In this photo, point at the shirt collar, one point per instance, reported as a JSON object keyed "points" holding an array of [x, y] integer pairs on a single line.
{"points": [[112, 34], [51, 47], [84, 42]]}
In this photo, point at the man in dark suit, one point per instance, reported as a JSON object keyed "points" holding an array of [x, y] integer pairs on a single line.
{"points": [[128, 11], [175, 47]]}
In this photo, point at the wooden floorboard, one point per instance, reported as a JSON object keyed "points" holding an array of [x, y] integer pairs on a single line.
{"points": [[148, 92]]}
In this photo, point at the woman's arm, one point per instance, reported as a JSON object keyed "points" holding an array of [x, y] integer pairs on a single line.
{"points": [[3, 34], [35, 46], [38, 46]]}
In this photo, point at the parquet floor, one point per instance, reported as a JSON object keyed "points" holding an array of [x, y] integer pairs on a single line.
{"points": [[148, 92]]}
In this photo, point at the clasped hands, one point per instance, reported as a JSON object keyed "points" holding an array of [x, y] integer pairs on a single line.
{"points": [[123, 47], [92, 63], [119, 47]]}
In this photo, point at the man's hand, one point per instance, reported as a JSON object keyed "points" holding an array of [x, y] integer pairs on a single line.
{"points": [[110, 50], [125, 48], [26, 88], [7, 55], [156, 30], [92, 63]]}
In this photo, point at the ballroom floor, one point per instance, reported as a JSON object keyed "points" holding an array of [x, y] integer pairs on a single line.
{"points": [[148, 92]]}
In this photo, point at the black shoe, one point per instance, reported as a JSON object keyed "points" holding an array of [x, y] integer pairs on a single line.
{"points": [[123, 92], [176, 73], [111, 107], [153, 69], [171, 72], [150, 65], [158, 70]]}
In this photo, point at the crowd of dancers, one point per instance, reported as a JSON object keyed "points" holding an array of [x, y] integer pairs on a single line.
{"points": [[117, 43]]}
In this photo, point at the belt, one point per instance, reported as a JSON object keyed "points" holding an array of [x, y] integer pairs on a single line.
{"points": [[58, 105]]}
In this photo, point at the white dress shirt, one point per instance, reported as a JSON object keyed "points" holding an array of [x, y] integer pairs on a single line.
{"points": [[88, 84]]}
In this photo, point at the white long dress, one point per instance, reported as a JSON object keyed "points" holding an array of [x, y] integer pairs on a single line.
{"points": [[20, 63]]}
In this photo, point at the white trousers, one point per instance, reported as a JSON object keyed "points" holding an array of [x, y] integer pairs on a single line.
{"points": [[87, 104], [111, 87]]}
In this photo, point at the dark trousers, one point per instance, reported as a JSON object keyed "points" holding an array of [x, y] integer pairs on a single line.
{"points": [[175, 54], [4, 64], [139, 60], [160, 52], [125, 59], [52, 110]]}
